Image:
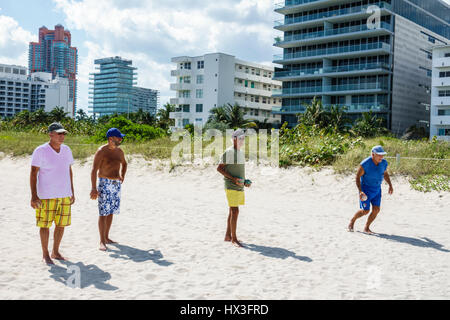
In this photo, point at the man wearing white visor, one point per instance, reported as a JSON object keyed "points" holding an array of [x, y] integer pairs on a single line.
{"points": [[369, 178]]}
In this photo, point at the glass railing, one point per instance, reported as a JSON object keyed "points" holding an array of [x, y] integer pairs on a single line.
{"points": [[289, 3], [331, 88], [329, 51], [348, 68], [330, 32], [358, 86], [329, 14], [360, 107]]}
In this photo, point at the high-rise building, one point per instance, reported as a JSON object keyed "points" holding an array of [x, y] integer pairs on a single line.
{"points": [[54, 54], [112, 87], [440, 94], [19, 92], [366, 55], [216, 79], [145, 99]]}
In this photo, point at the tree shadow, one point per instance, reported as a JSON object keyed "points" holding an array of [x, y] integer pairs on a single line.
{"points": [[89, 275], [138, 255], [273, 252], [422, 242]]}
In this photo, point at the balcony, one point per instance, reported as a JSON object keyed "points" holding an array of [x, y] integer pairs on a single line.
{"points": [[180, 86], [330, 89], [289, 24], [180, 72], [253, 91], [330, 34], [318, 54], [179, 101], [290, 6], [255, 105], [441, 63], [352, 108], [319, 72], [440, 101], [179, 115], [440, 120], [441, 82]]}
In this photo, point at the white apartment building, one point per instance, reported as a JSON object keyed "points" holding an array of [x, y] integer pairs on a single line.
{"points": [[216, 79], [440, 94], [20, 92]]}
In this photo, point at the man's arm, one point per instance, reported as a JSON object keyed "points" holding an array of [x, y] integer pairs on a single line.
{"points": [[124, 166], [388, 180], [35, 201], [95, 168], [359, 174], [72, 199], [222, 169]]}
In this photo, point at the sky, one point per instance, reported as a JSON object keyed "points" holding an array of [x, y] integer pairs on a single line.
{"points": [[148, 32]]}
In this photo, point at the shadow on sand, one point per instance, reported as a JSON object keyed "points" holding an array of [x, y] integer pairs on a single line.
{"points": [[273, 252], [422, 242], [88, 275], [138, 255]]}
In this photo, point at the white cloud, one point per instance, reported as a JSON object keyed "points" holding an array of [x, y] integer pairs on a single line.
{"points": [[14, 42], [152, 32]]}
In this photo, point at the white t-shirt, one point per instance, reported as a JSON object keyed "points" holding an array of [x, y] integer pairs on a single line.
{"points": [[54, 171]]}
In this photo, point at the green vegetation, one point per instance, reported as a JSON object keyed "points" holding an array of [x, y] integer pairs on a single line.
{"points": [[323, 137]]}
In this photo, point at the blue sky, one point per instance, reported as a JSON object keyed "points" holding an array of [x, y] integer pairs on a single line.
{"points": [[149, 32]]}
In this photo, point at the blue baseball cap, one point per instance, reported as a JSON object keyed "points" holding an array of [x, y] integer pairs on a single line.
{"points": [[379, 150], [114, 132]]}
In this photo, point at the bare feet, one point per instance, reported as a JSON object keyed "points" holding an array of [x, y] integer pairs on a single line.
{"points": [[47, 260], [368, 231], [350, 227], [58, 256], [109, 241], [228, 238], [103, 247], [237, 243]]}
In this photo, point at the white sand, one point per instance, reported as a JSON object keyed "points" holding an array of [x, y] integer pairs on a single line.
{"points": [[171, 231]]}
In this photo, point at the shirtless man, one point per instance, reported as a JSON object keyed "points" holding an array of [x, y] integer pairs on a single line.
{"points": [[107, 163]]}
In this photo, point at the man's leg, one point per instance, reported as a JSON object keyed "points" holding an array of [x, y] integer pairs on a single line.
{"points": [[233, 223], [102, 230], [44, 234], [228, 233], [58, 234], [109, 220], [372, 217], [358, 215]]}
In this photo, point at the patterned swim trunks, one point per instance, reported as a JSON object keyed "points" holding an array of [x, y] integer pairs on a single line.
{"points": [[108, 196]]}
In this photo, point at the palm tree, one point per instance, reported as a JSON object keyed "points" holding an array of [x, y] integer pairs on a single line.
{"points": [[369, 125], [163, 116], [39, 116], [58, 114], [231, 115], [81, 115]]}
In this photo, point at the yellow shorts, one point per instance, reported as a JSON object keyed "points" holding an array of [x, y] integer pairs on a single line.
{"points": [[235, 198], [57, 210]]}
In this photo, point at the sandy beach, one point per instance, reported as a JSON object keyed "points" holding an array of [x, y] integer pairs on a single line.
{"points": [[172, 225]]}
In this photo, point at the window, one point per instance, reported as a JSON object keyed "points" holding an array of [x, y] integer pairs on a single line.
{"points": [[199, 79], [198, 120], [185, 122], [447, 55], [200, 64], [199, 93], [186, 108], [186, 65], [187, 79], [199, 107], [185, 94], [444, 74]]}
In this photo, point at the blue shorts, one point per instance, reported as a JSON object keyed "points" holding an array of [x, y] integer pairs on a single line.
{"points": [[108, 196], [373, 197]]}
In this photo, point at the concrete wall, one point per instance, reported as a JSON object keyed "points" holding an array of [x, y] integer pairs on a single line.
{"points": [[409, 100]]}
